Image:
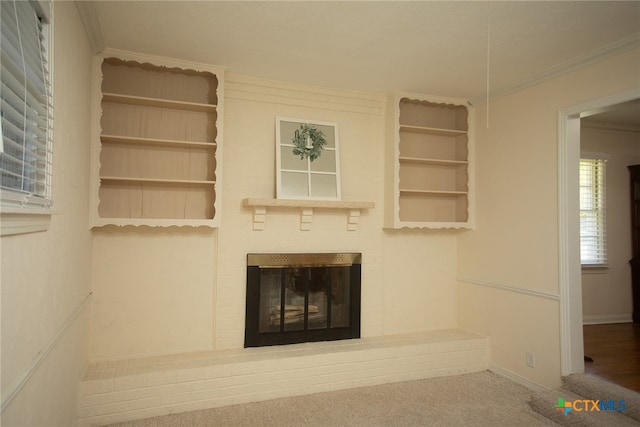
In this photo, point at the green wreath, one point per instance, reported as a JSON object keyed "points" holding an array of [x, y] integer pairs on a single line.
{"points": [[308, 141]]}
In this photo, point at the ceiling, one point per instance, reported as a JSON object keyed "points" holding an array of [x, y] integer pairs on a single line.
{"points": [[625, 115], [462, 49]]}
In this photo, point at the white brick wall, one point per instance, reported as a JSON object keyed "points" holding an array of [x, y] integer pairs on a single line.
{"points": [[166, 291], [249, 167], [126, 390]]}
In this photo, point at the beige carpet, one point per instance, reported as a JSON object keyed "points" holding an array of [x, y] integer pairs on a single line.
{"points": [[479, 399], [578, 387], [592, 387]]}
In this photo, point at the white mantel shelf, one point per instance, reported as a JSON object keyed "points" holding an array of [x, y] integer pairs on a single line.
{"points": [[306, 207]]}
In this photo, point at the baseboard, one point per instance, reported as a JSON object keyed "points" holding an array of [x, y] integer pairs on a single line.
{"points": [[533, 386], [603, 319]]}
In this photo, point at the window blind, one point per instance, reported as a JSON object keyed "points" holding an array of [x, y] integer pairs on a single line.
{"points": [[593, 249], [25, 106]]}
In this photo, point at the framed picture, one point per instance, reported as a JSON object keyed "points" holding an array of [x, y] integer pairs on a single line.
{"points": [[307, 160]]}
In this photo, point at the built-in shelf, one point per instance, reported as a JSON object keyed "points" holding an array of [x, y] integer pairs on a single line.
{"points": [[431, 131], [429, 163], [306, 207], [432, 161], [435, 192], [121, 179], [144, 101], [157, 144], [118, 139]]}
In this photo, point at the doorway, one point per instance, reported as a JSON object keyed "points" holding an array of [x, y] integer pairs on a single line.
{"points": [[571, 316]]}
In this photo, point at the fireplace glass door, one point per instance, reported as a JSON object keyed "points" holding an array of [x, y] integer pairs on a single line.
{"points": [[302, 299]]}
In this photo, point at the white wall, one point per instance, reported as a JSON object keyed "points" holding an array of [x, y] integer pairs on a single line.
{"points": [[153, 291], [508, 266], [407, 278], [251, 106], [46, 275], [419, 288], [177, 290], [606, 295]]}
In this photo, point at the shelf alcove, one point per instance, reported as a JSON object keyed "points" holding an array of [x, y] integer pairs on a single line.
{"points": [[157, 154], [429, 163]]}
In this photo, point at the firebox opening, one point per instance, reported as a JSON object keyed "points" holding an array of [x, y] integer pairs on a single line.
{"points": [[295, 298]]}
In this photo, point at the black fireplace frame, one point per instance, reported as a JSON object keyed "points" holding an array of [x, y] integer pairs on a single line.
{"points": [[256, 262]]}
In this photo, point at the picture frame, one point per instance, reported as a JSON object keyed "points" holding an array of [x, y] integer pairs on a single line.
{"points": [[307, 160]]}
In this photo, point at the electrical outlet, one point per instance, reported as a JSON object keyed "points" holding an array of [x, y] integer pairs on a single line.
{"points": [[531, 359]]}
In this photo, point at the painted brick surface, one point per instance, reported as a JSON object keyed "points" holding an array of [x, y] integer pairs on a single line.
{"points": [[148, 387]]}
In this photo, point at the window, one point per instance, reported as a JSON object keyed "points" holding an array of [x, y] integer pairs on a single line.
{"points": [[26, 109], [593, 249], [307, 160]]}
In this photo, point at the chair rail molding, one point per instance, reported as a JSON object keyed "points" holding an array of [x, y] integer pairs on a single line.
{"points": [[14, 388], [509, 288]]}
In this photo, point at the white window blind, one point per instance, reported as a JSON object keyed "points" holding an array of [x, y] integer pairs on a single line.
{"points": [[593, 236], [25, 146]]}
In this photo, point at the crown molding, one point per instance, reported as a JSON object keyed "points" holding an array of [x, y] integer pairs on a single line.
{"points": [[610, 127], [91, 25], [566, 67]]}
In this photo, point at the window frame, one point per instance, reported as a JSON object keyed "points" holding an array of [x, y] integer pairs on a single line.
{"points": [[22, 212], [305, 169], [598, 211]]}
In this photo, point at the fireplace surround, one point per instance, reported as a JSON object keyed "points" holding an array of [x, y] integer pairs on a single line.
{"points": [[302, 297]]}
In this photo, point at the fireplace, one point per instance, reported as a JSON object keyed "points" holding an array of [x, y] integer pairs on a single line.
{"points": [[302, 297]]}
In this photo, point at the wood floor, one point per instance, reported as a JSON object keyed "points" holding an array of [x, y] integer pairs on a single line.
{"points": [[615, 350]]}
